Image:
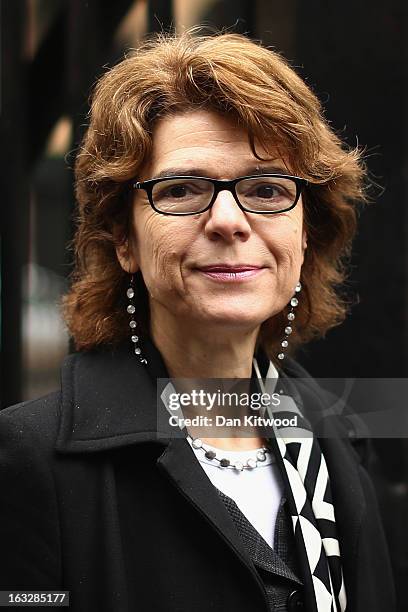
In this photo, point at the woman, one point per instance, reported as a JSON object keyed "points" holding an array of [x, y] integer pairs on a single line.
{"points": [[216, 206]]}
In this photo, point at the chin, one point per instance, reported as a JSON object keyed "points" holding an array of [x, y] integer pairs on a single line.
{"points": [[228, 319]]}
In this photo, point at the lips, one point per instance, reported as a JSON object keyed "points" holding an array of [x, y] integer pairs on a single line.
{"points": [[229, 269], [231, 274]]}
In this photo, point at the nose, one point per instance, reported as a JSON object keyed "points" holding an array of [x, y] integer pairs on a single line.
{"points": [[226, 220]]}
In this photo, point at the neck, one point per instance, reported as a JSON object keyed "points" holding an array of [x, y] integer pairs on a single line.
{"points": [[205, 351]]}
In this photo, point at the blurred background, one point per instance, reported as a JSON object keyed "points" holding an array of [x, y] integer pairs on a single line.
{"points": [[353, 54]]}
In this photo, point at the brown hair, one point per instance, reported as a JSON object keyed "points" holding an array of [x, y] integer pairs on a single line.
{"points": [[227, 73]]}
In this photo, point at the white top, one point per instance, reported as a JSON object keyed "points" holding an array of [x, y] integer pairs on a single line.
{"points": [[257, 492]]}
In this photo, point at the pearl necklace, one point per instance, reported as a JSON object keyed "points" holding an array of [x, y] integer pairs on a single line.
{"points": [[223, 462]]}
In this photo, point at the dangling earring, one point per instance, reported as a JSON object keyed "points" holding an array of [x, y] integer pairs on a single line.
{"points": [[131, 309], [291, 317]]}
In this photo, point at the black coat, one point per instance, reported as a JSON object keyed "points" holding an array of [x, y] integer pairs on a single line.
{"points": [[93, 502]]}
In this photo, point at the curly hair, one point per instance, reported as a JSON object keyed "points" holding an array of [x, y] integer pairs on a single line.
{"points": [[226, 73]]}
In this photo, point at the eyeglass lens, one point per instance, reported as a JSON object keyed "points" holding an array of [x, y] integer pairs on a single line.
{"points": [[258, 194]]}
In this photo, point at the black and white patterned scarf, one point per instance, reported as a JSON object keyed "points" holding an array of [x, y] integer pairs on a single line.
{"points": [[305, 475]]}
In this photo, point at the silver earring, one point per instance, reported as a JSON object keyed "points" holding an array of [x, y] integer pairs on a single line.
{"points": [[131, 309], [291, 317]]}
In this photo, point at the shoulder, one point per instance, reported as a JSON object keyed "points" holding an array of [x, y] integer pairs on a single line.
{"points": [[293, 368], [305, 389], [39, 419], [35, 419], [47, 405], [330, 412], [321, 399], [28, 432]]}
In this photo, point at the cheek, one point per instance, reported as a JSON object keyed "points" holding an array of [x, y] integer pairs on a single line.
{"points": [[161, 245], [286, 244], [296, 243]]}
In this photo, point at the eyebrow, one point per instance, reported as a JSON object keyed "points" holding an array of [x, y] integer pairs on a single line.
{"points": [[249, 171]]}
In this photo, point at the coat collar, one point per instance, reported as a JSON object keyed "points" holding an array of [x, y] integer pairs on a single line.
{"points": [[109, 399]]}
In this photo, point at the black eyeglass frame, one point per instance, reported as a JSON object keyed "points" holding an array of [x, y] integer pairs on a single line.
{"points": [[221, 185]]}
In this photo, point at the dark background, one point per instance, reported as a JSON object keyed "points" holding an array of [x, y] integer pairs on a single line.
{"points": [[352, 53]]}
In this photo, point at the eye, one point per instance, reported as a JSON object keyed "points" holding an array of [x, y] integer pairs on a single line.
{"points": [[267, 191], [178, 190]]}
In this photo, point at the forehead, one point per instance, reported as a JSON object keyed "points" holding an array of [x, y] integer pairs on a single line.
{"points": [[207, 140]]}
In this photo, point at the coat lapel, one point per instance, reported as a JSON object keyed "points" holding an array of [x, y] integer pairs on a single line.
{"points": [[349, 505], [179, 464], [343, 464]]}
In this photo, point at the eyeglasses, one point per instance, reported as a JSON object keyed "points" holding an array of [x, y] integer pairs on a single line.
{"points": [[264, 194]]}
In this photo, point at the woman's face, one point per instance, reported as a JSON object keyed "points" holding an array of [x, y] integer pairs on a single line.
{"points": [[171, 252]]}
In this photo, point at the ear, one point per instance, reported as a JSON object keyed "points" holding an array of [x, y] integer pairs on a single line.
{"points": [[304, 241], [304, 244], [126, 257]]}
